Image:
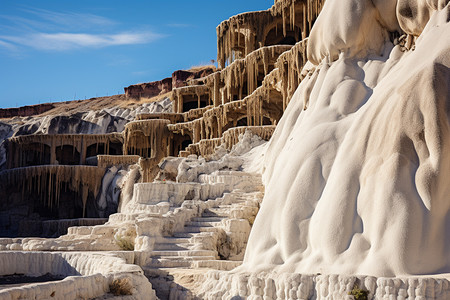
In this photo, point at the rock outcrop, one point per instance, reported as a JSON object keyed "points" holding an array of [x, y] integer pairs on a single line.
{"points": [[150, 89], [347, 120], [25, 111], [178, 79], [367, 190]]}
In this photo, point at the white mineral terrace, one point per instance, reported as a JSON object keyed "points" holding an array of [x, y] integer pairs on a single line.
{"points": [[205, 215], [88, 275], [347, 197]]}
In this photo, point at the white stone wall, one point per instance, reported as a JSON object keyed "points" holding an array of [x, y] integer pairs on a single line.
{"points": [[226, 285], [90, 275], [175, 193]]}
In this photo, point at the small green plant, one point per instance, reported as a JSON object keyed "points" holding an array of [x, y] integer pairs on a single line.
{"points": [[120, 287], [359, 294], [125, 239], [125, 244]]}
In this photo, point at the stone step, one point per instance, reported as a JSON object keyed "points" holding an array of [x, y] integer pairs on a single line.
{"points": [[218, 214], [234, 206], [172, 240], [166, 263], [227, 208], [238, 199], [184, 234], [176, 262], [187, 258], [225, 265], [197, 229], [170, 246], [218, 210], [207, 219], [222, 208], [201, 224], [183, 253], [195, 262]]}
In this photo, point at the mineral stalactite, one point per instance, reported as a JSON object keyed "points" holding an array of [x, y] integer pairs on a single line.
{"points": [[289, 70], [146, 138], [47, 182], [255, 27], [313, 162], [18, 147], [105, 161]]}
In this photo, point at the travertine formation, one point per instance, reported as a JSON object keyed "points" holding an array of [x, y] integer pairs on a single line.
{"points": [[87, 275], [60, 149], [356, 169], [286, 22], [257, 285], [195, 212], [178, 79], [373, 103]]}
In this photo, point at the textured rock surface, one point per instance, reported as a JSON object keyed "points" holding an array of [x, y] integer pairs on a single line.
{"points": [[91, 122], [150, 89], [178, 79], [221, 285], [90, 275], [168, 224], [367, 189], [25, 111], [356, 173]]}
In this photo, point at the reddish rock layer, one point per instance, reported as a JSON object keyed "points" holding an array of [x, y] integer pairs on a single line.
{"points": [[155, 88], [149, 89], [25, 111]]}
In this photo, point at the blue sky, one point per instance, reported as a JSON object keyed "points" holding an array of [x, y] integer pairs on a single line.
{"points": [[61, 50]]}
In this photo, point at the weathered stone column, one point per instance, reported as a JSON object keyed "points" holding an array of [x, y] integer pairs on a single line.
{"points": [[217, 101], [82, 147], [53, 153], [197, 132], [180, 103], [202, 130], [219, 127], [11, 159]]}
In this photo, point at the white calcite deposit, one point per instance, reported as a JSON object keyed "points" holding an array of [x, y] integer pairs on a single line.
{"points": [[88, 275], [202, 222], [356, 176], [262, 285], [357, 171]]}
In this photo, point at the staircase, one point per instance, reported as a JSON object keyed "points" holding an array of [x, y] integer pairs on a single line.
{"points": [[179, 261], [196, 246]]}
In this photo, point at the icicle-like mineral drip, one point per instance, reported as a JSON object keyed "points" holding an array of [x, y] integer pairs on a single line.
{"points": [[48, 181], [152, 131], [293, 15]]}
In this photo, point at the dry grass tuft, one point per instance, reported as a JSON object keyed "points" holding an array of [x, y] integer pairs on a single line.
{"points": [[131, 101], [120, 287], [201, 68], [125, 243]]}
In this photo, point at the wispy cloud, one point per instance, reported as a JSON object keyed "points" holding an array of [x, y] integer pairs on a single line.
{"points": [[68, 41], [10, 50], [70, 19], [45, 20], [6, 45], [46, 30]]}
